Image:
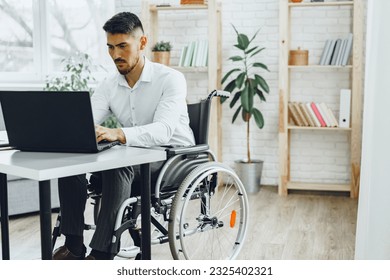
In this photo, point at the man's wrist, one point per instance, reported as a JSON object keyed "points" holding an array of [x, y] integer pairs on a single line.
{"points": [[121, 136]]}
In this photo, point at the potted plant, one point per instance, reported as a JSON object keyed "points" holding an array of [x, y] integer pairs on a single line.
{"points": [[77, 75], [162, 52], [245, 85]]}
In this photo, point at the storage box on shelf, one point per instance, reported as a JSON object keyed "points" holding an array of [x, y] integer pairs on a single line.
{"points": [[286, 127]]}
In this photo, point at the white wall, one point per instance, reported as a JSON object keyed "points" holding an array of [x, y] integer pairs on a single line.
{"points": [[315, 155], [373, 226]]}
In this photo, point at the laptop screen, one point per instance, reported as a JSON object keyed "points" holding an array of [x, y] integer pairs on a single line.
{"points": [[49, 121]]}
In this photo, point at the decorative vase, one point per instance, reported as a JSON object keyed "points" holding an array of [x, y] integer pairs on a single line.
{"points": [[161, 57], [250, 174]]}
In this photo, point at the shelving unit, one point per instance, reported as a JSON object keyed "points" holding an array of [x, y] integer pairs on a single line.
{"points": [[356, 69], [212, 11]]}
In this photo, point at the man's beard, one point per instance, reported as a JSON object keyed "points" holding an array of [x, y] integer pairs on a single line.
{"points": [[129, 69]]}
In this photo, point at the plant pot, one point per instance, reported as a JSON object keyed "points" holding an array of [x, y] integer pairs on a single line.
{"points": [[161, 57], [250, 174]]}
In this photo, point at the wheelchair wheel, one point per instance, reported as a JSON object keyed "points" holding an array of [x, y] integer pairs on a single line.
{"points": [[209, 215]]}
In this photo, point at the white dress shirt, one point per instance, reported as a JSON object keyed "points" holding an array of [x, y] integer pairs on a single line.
{"points": [[153, 112]]}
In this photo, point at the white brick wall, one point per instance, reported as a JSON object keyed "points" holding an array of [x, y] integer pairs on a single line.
{"points": [[315, 156]]}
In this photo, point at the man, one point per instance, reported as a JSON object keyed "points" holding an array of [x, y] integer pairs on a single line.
{"points": [[149, 101]]}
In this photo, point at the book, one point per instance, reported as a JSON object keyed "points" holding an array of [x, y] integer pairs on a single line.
{"points": [[195, 53], [182, 56], [307, 114], [331, 116], [313, 116], [347, 51], [202, 53], [198, 56], [329, 52], [323, 115], [301, 115], [323, 55], [336, 52], [318, 115], [340, 54], [189, 54], [294, 115]]}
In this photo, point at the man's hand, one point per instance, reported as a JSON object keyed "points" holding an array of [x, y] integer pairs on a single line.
{"points": [[109, 134]]}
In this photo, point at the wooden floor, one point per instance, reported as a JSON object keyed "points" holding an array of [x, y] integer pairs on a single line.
{"points": [[296, 227]]}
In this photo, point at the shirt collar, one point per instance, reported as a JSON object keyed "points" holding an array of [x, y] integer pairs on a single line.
{"points": [[146, 75]]}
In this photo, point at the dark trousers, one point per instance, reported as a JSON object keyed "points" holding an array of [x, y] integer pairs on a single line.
{"points": [[116, 188]]}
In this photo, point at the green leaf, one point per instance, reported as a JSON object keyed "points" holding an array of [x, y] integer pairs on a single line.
{"points": [[262, 83], [250, 50], [235, 29], [243, 41], [239, 47], [245, 99], [236, 58], [236, 113], [260, 94], [235, 98], [228, 74], [222, 99], [240, 80], [254, 36], [261, 65], [230, 86], [253, 54], [258, 118]]}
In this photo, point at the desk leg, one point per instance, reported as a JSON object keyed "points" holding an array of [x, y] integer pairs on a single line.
{"points": [[145, 212], [45, 215], [4, 217]]}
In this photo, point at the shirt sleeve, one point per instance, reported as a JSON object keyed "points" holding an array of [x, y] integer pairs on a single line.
{"points": [[100, 103], [167, 116]]}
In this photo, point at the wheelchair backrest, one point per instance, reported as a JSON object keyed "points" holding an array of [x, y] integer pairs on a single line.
{"points": [[199, 120]]}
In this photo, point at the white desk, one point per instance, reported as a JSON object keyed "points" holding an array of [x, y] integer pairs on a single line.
{"points": [[46, 166]]}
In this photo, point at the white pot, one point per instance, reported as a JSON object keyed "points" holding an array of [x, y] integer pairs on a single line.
{"points": [[250, 174]]}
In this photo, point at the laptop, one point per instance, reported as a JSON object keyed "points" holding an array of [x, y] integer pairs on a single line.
{"points": [[42, 121]]}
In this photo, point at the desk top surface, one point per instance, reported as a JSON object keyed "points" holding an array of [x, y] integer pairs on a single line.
{"points": [[46, 166]]}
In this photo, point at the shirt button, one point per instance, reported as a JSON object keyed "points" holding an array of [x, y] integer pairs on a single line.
{"points": [[133, 108]]}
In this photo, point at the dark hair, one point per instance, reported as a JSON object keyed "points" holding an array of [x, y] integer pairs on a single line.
{"points": [[123, 23]]}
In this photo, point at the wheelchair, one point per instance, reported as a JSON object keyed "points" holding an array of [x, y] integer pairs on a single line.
{"points": [[199, 205]]}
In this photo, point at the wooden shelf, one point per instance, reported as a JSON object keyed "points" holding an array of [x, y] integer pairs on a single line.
{"points": [[294, 127], [355, 80], [316, 4], [190, 69], [319, 67], [154, 8], [318, 186]]}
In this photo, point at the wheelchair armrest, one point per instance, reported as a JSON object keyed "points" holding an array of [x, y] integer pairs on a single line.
{"points": [[187, 150]]}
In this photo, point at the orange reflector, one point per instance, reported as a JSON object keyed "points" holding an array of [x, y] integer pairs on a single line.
{"points": [[233, 218]]}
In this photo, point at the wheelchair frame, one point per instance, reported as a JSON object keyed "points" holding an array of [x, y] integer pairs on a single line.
{"points": [[184, 212]]}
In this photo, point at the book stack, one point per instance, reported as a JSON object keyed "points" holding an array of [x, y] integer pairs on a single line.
{"points": [[195, 54], [337, 51], [311, 114]]}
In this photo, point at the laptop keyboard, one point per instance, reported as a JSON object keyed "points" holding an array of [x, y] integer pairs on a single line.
{"points": [[106, 144]]}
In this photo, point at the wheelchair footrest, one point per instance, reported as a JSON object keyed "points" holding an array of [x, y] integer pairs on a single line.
{"points": [[129, 252]]}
